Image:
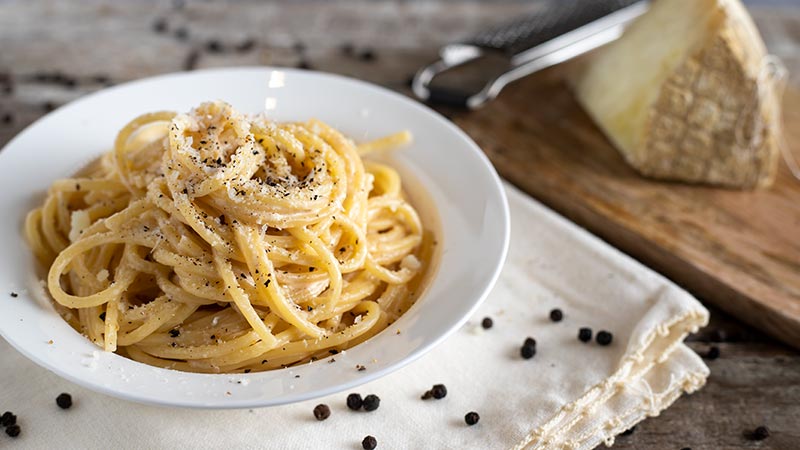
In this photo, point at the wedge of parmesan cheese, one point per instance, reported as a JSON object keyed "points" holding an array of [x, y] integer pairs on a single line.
{"points": [[686, 94]]}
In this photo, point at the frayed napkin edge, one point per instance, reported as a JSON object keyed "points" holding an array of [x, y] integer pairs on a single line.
{"points": [[690, 320]]}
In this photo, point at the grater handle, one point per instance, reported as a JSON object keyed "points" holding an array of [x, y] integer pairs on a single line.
{"points": [[557, 30]]}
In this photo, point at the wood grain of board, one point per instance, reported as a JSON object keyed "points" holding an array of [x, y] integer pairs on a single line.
{"points": [[755, 381], [739, 250]]}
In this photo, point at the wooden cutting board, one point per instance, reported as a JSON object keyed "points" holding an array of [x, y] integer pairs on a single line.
{"points": [[738, 250]]}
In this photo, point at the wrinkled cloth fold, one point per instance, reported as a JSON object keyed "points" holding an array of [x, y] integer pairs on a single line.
{"points": [[571, 394]]}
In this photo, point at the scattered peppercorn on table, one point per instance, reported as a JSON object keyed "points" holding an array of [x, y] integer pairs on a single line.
{"points": [[49, 58]]}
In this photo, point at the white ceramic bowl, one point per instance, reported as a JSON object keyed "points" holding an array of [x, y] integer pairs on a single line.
{"points": [[446, 173]]}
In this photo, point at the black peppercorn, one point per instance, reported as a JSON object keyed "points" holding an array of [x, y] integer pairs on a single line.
{"points": [[367, 55], [214, 46], [13, 430], [713, 353], [556, 315], [527, 351], [530, 342], [585, 334], [7, 419], [160, 26], [604, 337], [472, 418], [369, 443], [322, 412], [174, 332], [64, 401], [439, 391], [760, 433], [428, 394], [487, 323], [354, 401], [371, 402]]}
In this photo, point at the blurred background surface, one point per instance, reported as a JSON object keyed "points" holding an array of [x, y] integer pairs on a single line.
{"points": [[55, 51]]}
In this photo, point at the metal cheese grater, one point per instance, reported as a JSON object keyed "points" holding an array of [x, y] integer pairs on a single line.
{"points": [[471, 73]]}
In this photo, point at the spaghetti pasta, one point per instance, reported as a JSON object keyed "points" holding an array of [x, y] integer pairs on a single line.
{"points": [[217, 242]]}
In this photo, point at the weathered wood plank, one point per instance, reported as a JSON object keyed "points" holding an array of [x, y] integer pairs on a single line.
{"points": [[750, 385], [738, 250], [755, 381]]}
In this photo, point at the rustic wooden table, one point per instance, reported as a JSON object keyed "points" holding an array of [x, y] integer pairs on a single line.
{"points": [[53, 51]]}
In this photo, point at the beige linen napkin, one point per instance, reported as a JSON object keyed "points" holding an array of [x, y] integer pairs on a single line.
{"points": [[570, 395]]}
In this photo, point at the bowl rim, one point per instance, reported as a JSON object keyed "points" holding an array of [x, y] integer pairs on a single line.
{"points": [[373, 89]]}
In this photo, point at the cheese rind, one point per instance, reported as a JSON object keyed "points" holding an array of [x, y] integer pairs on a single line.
{"points": [[685, 95]]}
